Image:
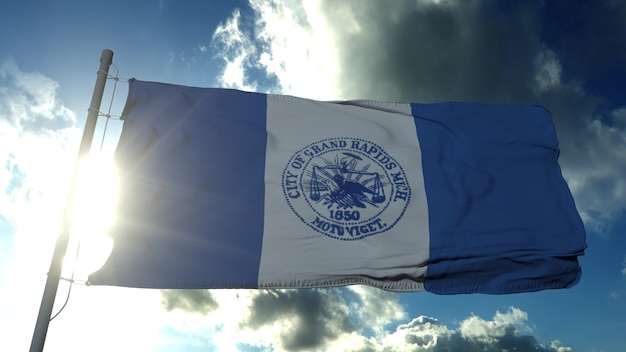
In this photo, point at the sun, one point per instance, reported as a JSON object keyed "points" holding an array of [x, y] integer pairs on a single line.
{"points": [[93, 214]]}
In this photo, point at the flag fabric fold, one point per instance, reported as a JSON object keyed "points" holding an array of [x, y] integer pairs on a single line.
{"points": [[228, 189]]}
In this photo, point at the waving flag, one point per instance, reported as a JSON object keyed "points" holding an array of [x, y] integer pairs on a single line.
{"points": [[229, 189]]}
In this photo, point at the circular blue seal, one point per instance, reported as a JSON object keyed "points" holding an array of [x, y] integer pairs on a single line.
{"points": [[346, 188]]}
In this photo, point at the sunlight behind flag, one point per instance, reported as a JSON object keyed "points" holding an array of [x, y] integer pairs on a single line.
{"points": [[93, 214]]}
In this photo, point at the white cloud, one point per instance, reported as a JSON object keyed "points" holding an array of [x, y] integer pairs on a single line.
{"points": [[376, 307], [556, 346], [299, 46], [593, 171], [237, 49], [487, 331], [504, 332], [103, 319], [548, 73], [38, 136], [422, 333], [39, 144], [290, 42]]}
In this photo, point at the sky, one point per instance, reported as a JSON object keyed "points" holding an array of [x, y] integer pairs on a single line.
{"points": [[569, 56]]}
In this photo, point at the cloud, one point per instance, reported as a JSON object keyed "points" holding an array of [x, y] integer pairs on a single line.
{"points": [[38, 143], [548, 71], [237, 50], [337, 319], [504, 332], [191, 301], [420, 333], [477, 328], [556, 346], [286, 46], [306, 319], [36, 130], [618, 292], [375, 308], [429, 51]]}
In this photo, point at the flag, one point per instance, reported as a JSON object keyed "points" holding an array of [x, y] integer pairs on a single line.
{"points": [[229, 189]]}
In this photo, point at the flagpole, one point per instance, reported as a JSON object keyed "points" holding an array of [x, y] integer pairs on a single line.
{"points": [[54, 274]]}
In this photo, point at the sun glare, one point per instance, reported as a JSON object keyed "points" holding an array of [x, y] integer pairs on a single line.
{"points": [[93, 213]]}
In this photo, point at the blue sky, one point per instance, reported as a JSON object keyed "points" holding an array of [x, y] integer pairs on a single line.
{"points": [[568, 56]]}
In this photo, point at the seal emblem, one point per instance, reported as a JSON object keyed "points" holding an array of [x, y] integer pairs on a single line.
{"points": [[346, 188]]}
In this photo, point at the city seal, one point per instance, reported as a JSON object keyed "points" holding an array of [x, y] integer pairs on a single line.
{"points": [[346, 188]]}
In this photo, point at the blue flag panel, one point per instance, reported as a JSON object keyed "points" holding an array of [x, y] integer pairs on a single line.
{"points": [[229, 189], [501, 215]]}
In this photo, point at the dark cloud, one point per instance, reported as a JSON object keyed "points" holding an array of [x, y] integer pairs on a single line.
{"points": [[315, 316], [470, 51], [192, 301], [509, 342]]}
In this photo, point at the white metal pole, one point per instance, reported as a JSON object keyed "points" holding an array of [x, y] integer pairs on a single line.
{"points": [[54, 274]]}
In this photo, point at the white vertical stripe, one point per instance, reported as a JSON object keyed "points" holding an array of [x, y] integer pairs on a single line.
{"points": [[294, 253]]}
